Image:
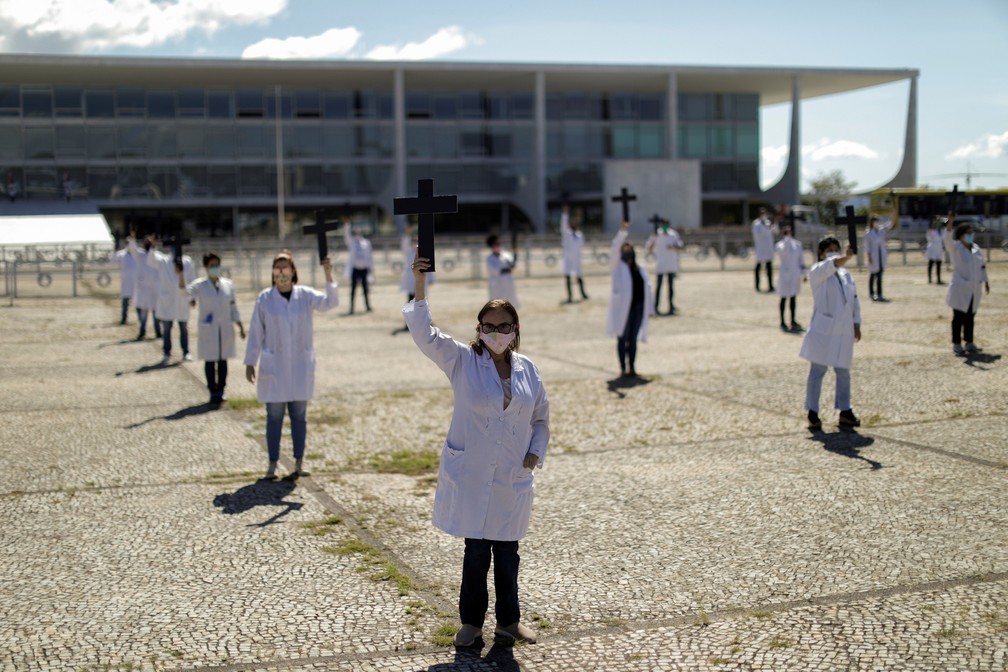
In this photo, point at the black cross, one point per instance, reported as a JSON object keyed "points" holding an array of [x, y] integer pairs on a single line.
{"points": [[790, 219], [320, 228], [176, 241], [953, 198], [851, 221], [625, 197], [425, 206], [656, 221]]}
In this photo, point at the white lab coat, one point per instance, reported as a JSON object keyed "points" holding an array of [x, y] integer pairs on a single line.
{"points": [[792, 267], [127, 273], [830, 337], [281, 340], [218, 312], [968, 277], [483, 489], [572, 242], [172, 301], [949, 242], [621, 297], [148, 280], [359, 254], [876, 248], [501, 285], [407, 283], [763, 232], [935, 244], [666, 244]]}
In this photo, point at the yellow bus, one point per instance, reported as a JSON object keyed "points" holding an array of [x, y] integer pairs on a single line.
{"points": [[914, 209]]}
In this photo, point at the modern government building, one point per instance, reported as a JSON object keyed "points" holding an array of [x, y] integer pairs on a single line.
{"points": [[232, 147]]}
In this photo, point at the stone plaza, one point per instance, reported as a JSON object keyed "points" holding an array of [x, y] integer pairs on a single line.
{"points": [[684, 520]]}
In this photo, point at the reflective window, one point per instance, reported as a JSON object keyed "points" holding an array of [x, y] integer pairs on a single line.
{"points": [[252, 181], [193, 182], [624, 142], [336, 105], [375, 141], [37, 102], [218, 105], [164, 180], [307, 104], [73, 179], [101, 142], [10, 101], [747, 142], [522, 105], [69, 101], [132, 141], [575, 143], [191, 103], [337, 180], [722, 141], [71, 142], [286, 105], [472, 142], [161, 105], [445, 106], [446, 142], [191, 141], [220, 141], [499, 144], [418, 105], [99, 104], [622, 106], [693, 142], [650, 142], [38, 143], [651, 107], [305, 180], [497, 105], [161, 141], [523, 141], [337, 141], [131, 182], [373, 178], [470, 105], [221, 181], [722, 107], [372, 104], [42, 183], [747, 176], [747, 107], [130, 102], [10, 143], [302, 141], [100, 182], [251, 140], [249, 103], [694, 106], [419, 141], [718, 177]]}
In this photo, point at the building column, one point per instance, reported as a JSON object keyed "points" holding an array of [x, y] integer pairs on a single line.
{"points": [[538, 213], [906, 176], [788, 188], [399, 115], [672, 121]]}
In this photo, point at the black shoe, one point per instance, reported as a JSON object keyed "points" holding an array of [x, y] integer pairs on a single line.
{"points": [[848, 419], [814, 422], [783, 326], [796, 327]]}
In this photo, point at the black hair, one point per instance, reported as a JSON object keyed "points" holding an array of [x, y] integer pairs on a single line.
{"points": [[960, 230], [825, 242], [492, 240], [210, 255]]}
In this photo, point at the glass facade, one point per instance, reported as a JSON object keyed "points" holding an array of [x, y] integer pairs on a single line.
{"points": [[721, 130]]}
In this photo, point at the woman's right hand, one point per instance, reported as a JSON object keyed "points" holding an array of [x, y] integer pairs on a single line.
{"points": [[250, 373], [419, 268]]}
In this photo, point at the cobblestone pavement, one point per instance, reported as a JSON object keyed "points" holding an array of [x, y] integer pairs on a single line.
{"points": [[685, 520]]}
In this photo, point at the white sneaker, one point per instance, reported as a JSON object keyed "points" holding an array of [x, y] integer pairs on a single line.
{"points": [[187, 357], [165, 360]]}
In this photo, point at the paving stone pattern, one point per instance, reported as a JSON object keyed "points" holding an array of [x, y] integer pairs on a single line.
{"points": [[686, 520]]}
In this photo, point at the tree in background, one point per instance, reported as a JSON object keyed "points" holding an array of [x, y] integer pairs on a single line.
{"points": [[829, 191]]}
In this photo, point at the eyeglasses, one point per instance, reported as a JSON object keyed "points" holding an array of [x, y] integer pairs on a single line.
{"points": [[505, 328]]}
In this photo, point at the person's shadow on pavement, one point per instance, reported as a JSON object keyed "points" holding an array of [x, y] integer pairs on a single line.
{"points": [[973, 358], [264, 492], [181, 414], [467, 659], [617, 385], [846, 443]]}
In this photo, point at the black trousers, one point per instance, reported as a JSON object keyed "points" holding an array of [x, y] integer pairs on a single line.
{"points": [[671, 290], [937, 264], [875, 284], [359, 276], [473, 596], [216, 378], [769, 273], [962, 325]]}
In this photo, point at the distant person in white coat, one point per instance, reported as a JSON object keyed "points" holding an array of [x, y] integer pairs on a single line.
{"points": [[128, 276], [665, 243], [878, 256], [498, 435], [281, 341], [969, 276], [146, 287], [572, 240], [835, 327], [948, 239], [218, 313], [360, 263], [500, 272], [791, 256], [935, 249], [763, 232], [407, 284], [172, 301], [630, 304]]}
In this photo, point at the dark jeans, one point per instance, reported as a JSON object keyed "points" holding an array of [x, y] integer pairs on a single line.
{"points": [[359, 276], [626, 345], [937, 264], [962, 325], [875, 285], [671, 291], [166, 327], [769, 274], [473, 596], [142, 319], [125, 309], [216, 378]]}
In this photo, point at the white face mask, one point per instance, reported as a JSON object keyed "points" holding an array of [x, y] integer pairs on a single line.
{"points": [[833, 255], [498, 343]]}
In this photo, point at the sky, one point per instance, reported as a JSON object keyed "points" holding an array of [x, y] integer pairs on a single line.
{"points": [[959, 48]]}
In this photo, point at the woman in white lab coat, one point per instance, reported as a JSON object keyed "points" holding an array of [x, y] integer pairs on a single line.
{"points": [[498, 434], [500, 272], [630, 304], [281, 340], [127, 281], [969, 277], [572, 240], [218, 313], [790, 276], [835, 327], [935, 250], [763, 232], [145, 290], [878, 255], [665, 243], [172, 301]]}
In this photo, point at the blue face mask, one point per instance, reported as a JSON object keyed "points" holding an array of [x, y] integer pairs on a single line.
{"points": [[968, 237]]}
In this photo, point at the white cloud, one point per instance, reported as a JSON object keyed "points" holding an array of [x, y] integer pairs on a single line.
{"points": [[989, 146], [826, 149], [441, 43], [333, 43], [773, 157], [96, 25]]}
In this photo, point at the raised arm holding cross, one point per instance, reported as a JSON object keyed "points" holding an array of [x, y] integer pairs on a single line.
{"points": [[320, 228], [425, 205], [852, 222], [625, 197]]}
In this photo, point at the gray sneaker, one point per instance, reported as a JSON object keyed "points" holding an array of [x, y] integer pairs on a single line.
{"points": [[516, 632], [958, 349], [971, 348], [467, 634], [271, 471]]}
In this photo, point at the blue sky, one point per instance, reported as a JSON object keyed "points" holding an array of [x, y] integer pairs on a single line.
{"points": [[960, 50]]}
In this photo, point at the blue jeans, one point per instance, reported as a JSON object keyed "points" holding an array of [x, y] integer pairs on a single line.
{"points": [[166, 327], [274, 424], [813, 388], [473, 596], [125, 309]]}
